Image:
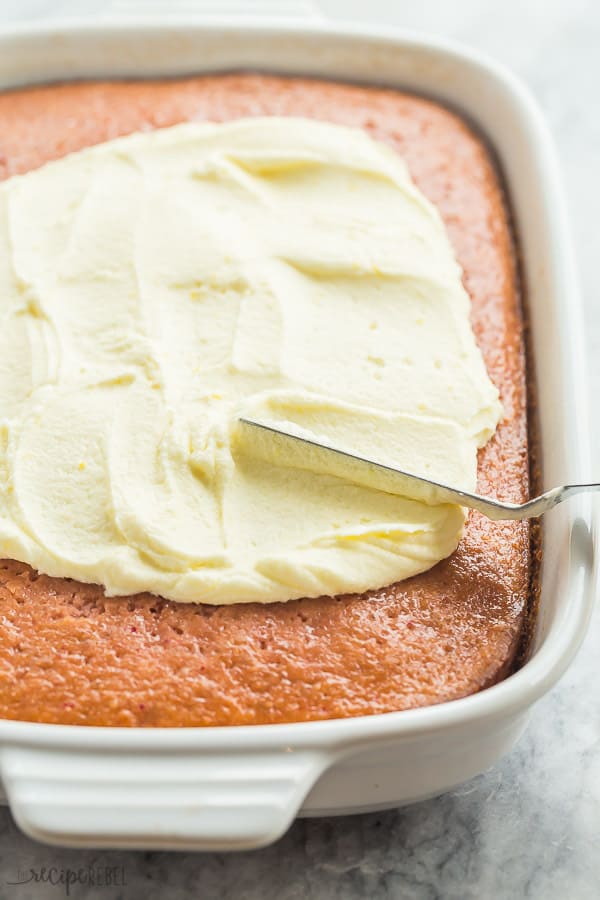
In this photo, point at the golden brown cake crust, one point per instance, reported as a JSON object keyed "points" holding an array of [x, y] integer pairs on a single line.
{"points": [[70, 655]]}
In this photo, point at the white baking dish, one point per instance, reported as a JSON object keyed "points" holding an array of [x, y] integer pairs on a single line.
{"points": [[241, 787]]}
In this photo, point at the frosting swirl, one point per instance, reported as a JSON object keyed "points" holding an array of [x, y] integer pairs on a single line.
{"points": [[154, 288]]}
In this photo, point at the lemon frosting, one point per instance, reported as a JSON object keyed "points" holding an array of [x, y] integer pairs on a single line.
{"points": [[155, 288]]}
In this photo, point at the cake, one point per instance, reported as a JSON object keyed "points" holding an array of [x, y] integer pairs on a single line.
{"points": [[69, 654]]}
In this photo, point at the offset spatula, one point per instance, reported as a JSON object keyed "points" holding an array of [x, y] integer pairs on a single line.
{"points": [[330, 460]]}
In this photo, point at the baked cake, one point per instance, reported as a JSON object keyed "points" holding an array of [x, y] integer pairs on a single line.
{"points": [[69, 654]]}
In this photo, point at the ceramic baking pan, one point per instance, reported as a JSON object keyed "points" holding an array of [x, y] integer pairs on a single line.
{"points": [[240, 787]]}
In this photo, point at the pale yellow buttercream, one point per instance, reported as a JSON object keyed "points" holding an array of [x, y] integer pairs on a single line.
{"points": [[154, 288]]}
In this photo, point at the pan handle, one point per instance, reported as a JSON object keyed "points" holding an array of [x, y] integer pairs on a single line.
{"points": [[228, 800]]}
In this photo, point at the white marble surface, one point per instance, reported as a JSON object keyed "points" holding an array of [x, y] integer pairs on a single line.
{"points": [[530, 828]]}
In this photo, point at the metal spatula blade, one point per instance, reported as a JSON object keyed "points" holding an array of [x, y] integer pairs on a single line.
{"points": [[407, 484]]}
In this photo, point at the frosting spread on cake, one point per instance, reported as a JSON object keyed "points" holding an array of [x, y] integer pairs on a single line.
{"points": [[156, 287]]}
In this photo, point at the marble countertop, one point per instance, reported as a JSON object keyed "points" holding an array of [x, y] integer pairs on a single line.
{"points": [[530, 827]]}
